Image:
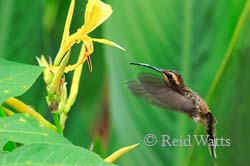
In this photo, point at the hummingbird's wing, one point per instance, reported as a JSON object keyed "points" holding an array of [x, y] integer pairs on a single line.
{"points": [[153, 89]]}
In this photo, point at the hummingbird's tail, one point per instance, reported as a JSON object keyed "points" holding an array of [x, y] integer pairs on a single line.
{"points": [[210, 132]]}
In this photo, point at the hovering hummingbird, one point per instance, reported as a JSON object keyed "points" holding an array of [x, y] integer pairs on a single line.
{"points": [[170, 92]]}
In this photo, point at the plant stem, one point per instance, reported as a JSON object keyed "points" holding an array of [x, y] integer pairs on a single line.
{"points": [[57, 123]]}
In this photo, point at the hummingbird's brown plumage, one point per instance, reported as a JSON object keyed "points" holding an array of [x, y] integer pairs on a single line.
{"points": [[171, 93]]}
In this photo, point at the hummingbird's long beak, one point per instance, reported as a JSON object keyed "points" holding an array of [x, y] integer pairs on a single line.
{"points": [[148, 66]]}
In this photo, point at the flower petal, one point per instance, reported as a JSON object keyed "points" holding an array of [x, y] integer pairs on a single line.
{"points": [[68, 21], [95, 14], [119, 153], [87, 50], [76, 80], [81, 59], [108, 42]]}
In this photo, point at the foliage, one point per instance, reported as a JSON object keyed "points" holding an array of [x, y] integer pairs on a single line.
{"points": [[192, 37], [40, 145], [16, 78]]}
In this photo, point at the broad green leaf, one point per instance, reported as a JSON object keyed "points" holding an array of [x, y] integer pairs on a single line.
{"points": [[191, 37], [231, 102], [41, 146], [16, 78], [23, 129], [51, 154]]}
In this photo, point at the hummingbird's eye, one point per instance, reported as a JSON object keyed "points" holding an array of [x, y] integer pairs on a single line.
{"points": [[173, 79], [170, 76]]}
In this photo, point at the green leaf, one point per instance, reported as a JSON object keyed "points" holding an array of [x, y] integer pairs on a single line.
{"points": [[16, 78], [191, 37], [41, 146], [23, 129], [231, 100], [52, 154]]}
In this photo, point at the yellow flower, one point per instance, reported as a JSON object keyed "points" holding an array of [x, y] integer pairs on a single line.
{"points": [[96, 13]]}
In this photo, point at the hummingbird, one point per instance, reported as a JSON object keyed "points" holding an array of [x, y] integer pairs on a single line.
{"points": [[170, 92]]}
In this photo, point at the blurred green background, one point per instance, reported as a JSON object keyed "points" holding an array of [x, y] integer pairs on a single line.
{"points": [[190, 36]]}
